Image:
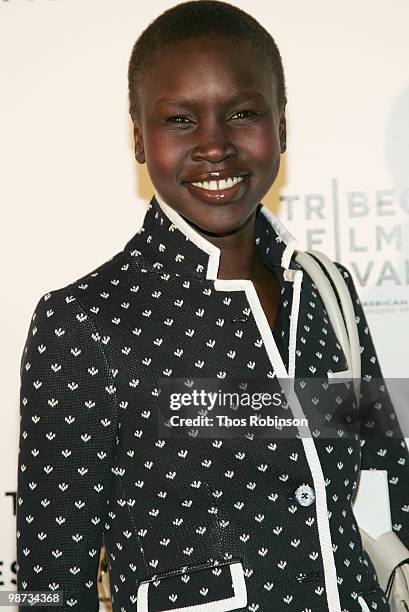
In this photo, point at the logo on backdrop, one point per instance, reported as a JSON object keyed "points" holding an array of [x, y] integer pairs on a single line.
{"points": [[8, 568], [368, 232]]}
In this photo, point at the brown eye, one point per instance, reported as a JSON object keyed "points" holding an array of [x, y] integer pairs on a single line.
{"points": [[247, 114], [177, 119]]}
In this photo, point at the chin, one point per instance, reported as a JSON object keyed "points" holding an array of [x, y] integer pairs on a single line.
{"points": [[219, 219]]}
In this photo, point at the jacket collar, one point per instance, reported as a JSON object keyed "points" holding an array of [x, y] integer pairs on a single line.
{"points": [[166, 241]]}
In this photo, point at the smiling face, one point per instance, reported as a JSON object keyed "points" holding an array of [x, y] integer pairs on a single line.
{"points": [[210, 132]]}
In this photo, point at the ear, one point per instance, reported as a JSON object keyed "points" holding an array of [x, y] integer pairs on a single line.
{"points": [[139, 147], [283, 132]]}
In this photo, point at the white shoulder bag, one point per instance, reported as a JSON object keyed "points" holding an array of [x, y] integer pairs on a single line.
{"points": [[388, 554]]}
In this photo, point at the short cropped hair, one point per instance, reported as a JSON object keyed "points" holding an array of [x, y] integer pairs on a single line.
{"points": [[194, 19]]}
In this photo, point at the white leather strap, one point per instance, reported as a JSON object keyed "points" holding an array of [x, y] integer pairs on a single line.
{"points": [[347, 308], [385, 563], [327, 294], [345, 331]]}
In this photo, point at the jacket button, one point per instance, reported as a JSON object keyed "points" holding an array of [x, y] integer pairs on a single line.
{"points": [[305, 495]]}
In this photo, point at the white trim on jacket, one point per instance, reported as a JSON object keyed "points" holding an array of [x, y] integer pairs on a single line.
{"points": [[294, 276]]}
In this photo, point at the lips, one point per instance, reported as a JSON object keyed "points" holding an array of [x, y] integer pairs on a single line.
{"points": [[215, 175], [218, 185], [219, 191]]}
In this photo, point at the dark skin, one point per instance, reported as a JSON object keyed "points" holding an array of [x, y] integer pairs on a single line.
{"points": [[190, 122]]}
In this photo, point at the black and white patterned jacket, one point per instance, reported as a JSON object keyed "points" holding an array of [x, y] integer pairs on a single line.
{"points": [[192, 524]]}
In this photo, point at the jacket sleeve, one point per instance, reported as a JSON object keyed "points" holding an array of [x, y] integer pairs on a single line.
{"points": [[67, 437], [383, 446]]}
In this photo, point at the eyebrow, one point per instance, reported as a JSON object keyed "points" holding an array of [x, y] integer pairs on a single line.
{"points": [[182, 101]]}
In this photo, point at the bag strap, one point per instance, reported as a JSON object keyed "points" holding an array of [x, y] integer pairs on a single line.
{"points": [[347, 309], [337, 300], [328, 297], [387, 552]]}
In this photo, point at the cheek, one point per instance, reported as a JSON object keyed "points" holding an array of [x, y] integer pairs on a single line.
{"points": [[264, 146], [163, 153]]}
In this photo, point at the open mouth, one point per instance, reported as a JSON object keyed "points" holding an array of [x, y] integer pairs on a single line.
{"points": [[219, 191], [220, 185]]}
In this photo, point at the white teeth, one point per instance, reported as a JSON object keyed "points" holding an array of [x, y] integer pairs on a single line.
{"points": [[219, 185]]}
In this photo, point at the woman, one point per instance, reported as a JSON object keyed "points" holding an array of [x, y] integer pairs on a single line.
{"points": [[207, 288]]}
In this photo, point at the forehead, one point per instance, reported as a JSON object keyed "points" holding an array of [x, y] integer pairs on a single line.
{"points": [[207, 68]]}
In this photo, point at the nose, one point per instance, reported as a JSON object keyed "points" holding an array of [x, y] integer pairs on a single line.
{"points": [[213, 143]]}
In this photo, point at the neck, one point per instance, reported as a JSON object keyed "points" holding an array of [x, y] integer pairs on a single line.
{"points": [[238, 253], [167, 241]]}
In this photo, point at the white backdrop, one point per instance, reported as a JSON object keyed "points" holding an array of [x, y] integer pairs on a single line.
{"points": [[72, 195]]}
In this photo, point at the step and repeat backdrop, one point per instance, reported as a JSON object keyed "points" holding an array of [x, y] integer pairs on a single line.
{"points": [[72, 194]]}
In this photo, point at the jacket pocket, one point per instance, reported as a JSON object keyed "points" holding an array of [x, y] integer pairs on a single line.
{"points": [[332, 376], [216, 587], [374, 600]]}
